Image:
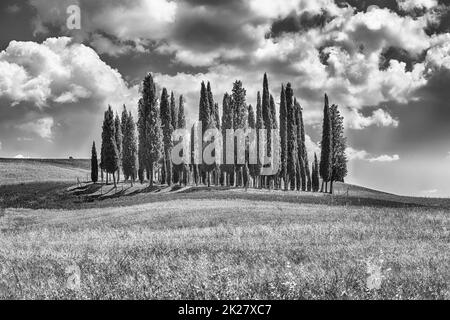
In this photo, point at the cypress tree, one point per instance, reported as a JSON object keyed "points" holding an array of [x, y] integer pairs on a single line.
{"points": [[259, 125], [325, 155], [305, 152], [173, 111], [118, 138], [181, 117], [110, 152], [227, 123], [338, 146], [94, 164], [254, 169], [292, 154], [211, 103], [174, 118], [150, 132], [204, 110], [276, 152], [301, 170], [217, 116], [123, 127], [205, 119], [239, 121], [251, 117], [315, 175], [166, 122], [267, 118], [181, 170], [129, 159], [283, 135]]}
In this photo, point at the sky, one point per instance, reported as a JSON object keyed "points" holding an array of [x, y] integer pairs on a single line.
{"points": [[386, 63]]}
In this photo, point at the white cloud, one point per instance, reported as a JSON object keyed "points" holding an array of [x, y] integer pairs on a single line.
{"points": [[380, 118], [128, 21], [56, 89], [410, 5], [353, 154], [59, 71], [385, 158]]}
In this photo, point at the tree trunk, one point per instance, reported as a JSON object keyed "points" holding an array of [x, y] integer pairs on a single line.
{"points": [[150, 172], [321, 189], [331, 186], [114, 179]]}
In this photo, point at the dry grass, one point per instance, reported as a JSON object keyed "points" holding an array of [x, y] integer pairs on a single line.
{"points": [[13, 171], [230, 249]]}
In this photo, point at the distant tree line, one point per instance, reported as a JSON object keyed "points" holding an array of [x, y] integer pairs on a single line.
{"points": [[142, 151]]}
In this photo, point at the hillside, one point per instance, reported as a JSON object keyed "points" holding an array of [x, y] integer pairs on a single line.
{"points": [[13, 171]]}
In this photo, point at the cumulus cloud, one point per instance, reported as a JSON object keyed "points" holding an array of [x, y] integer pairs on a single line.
{"points": [[57, 71], [409, 5], [385, 158], [57, 86], [380, 118], [353, 154]]}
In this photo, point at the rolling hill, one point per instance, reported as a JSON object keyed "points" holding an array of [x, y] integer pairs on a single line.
{"points": [[13, 171]]}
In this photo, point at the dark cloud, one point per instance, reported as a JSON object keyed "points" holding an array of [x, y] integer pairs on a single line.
{"points": [[401, 55], [442, 24], [220, 25], [362, 5], [298, 23]]}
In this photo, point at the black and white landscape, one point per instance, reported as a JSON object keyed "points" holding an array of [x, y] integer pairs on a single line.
{"points": [[243, 149]]}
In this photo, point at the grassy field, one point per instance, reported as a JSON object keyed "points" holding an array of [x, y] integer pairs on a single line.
{"points": [[42, 170], [199, 243]]}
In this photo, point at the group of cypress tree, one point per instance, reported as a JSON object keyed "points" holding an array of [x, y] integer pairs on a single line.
{"points": [[148, 156]]}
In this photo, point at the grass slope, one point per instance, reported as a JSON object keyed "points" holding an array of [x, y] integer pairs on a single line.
{"points": [[208, 243], [13, 171], [231, 249]]}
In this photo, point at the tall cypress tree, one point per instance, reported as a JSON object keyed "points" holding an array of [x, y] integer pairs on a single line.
{"points": [[325, 155], [182, 169], [123, 126], [259, 125], [283, 135], [301, 170], [227, 123], [129, 153], [254, 169], [118, 138], [305, 152], [166, 122], [315, 175], [181, 117], [94, 164], [204, 110], [217, 116], [210, 98], [292, 153], [338, 146], [110, 152], [173, 111], [267, 117], [239, 121], [150, 133]]}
